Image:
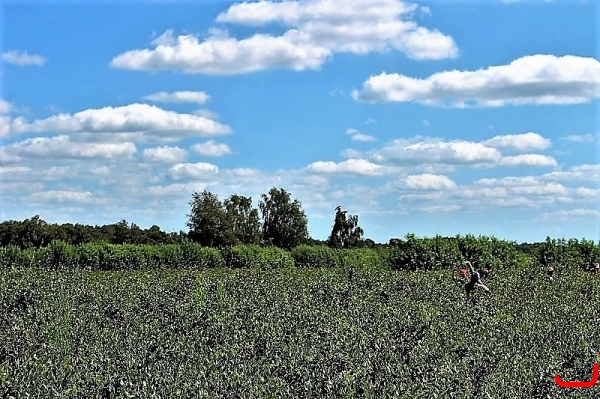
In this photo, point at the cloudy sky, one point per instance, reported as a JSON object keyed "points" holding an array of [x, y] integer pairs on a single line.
{"points": [[432, 117]]}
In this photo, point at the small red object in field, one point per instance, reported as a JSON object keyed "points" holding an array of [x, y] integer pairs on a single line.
{"points": [[579, 384]]}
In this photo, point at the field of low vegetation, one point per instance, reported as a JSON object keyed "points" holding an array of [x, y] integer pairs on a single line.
{"points": [[249, 321]]}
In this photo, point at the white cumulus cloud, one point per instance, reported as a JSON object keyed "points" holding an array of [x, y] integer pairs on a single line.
{"points": [[23, 58], [435, 151], [359, 167], [197, 170], [61, 147], [5, 107], [145, 119], [585, 172], [211, 149], [520, 142], [358, 136], [529, 160], [362, 137], [429, 181], [164, 154], [316, 30], [532, 79]]}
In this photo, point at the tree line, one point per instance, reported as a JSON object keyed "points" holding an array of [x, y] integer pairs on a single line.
{"points": [[279, 221]]}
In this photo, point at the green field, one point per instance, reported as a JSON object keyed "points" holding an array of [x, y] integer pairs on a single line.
{"points": [[295, 333]]}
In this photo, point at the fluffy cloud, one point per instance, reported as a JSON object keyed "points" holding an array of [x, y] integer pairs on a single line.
{"points": [[429, 181], [22, 58], [153, 122], [586, 172], [164, 154], [363, 137], [358, 136], [586, 192], [5, 107], [424, 152], [198, 97], [434, 151], [318, 29], [223, 56], [61, 147], [523, 185], [211, 149], [528, 160], [198, 170], [358, 167], [533, 79], [519, 142]]}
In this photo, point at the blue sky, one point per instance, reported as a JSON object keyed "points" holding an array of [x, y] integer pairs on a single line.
{"points": [[427, 117]]}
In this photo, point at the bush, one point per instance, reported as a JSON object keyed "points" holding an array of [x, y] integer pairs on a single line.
{"points": [[13, 256], [571, 253], [448, 252], [273, 257], [199, 257], [254, 256], [361, 258], [59, 255], [308, 256]]}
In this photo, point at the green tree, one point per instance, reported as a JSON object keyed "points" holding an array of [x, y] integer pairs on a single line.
{"points": [[122, 233], [208, 220], [345, 232], [243, 221], [154, 235], [284, 223], [34, 233]]}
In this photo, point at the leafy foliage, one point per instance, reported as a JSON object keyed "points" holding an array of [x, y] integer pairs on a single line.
{"points": [[284, 223], [207, 220], [37, 233], [362, 258], [346, 233], [294, 333], [410, 254], [561, 253], [243, 220], [315, 256], [442, 253], [254, 256]]}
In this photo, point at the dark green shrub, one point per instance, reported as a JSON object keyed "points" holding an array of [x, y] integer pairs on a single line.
{"points": [[315, 256], [59, 255], [254, 256], [274, 258], [199, 257], [13, 256], [241, 256], [361, 258]]}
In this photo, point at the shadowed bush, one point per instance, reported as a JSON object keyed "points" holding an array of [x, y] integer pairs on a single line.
{"points": [[307, 256], [254, 256], [361, 257]]}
